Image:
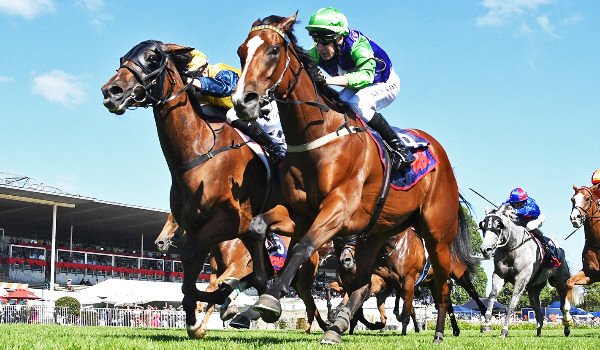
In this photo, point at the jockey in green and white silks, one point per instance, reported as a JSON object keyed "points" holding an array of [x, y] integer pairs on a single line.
{"points": [[364, 70]]}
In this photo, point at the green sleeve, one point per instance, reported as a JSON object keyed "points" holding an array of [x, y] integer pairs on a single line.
{"points": [[363, 56]]}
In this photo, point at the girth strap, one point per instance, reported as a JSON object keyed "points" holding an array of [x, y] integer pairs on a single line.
{"points": [[383, 193]]}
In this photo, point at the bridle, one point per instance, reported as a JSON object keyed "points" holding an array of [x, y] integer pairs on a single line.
{"points": [[269, 94], [149, 79], [586, 212]]}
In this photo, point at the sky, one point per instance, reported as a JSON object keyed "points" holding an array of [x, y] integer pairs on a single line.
{"points": [[508, 87]]}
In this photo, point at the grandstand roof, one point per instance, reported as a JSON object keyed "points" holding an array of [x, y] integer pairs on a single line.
{"points": [[26, 211]]}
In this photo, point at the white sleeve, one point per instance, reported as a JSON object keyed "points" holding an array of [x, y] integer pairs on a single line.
{"points": [[536, 223]]}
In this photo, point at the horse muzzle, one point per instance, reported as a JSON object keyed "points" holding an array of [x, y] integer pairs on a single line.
{"points": [[246, 105], [488, 253]]}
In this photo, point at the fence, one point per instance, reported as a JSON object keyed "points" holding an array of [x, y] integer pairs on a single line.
{"points": [[119, 317]]}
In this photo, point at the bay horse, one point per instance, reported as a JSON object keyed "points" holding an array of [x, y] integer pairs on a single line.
{"points": [[402, 265], [518, 258], [332, 175], [585, 213], [231, 260], [217, 182]]}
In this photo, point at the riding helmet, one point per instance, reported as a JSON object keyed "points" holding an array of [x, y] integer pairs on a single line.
{"points": [[328, 19], [517, 195]]}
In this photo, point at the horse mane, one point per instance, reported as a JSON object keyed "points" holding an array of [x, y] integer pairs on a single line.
{"points": [[329, 94]]}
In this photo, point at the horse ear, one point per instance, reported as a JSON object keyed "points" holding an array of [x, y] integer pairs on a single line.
{"points": [[256, 23], [287, 23], [487, 210], [178, 49], [575, 188]]}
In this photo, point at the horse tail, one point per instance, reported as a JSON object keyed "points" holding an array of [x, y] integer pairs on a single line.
{"points": [[461, 247]]}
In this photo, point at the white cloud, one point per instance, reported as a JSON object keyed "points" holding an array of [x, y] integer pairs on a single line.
{"points": [[6, 79], [28, 9], [91, 5], [58, 86], [96, 12], [504, 11], [544, 23]]}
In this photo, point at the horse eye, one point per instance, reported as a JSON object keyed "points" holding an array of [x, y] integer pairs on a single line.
{"points": [[274, 50]]}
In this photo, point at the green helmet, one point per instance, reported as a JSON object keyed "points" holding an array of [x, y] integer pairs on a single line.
{"points": [[328, 19]]}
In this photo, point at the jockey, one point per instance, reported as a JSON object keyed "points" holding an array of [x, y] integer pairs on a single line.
{"points": [[596, 184], [363, 69], [527, 214], [214, 85]]}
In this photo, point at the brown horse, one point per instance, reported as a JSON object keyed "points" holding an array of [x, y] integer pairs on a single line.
{"points": [[218, 184], [231, 259], [401, 266], [585, 213], [332, 175]]}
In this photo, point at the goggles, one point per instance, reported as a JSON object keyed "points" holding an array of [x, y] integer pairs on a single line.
{"points": [[324, 39]]}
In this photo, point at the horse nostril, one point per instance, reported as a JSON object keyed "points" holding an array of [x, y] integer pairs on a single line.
{"points": [[250, 98], [115, 91]]}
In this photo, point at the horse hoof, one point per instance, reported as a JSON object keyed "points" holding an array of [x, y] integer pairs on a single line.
{"points": [[268, 307], [240, 322], [195, 331], [503, 333], [486, 328], [568, 323], [230, 281], [456, 333], [539, 332], [567, 331], [228, 313], [331, 337], [438, 340]]}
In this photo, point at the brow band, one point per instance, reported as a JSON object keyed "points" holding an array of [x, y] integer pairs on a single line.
{"points": [[266, 26]]}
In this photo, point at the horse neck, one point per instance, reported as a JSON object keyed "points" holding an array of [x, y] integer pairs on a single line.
{"points": [[182, 133], [591, 225], [302, 123], [518, 237]]}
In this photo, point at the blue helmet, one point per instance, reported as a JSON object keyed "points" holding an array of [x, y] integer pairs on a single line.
{"points": [[517, 195]]}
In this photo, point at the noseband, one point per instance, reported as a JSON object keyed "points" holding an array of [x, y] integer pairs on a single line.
{"points": [[147, 78], [586, 212]]}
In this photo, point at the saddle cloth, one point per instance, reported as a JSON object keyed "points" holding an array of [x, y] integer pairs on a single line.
{"points": [[278, 257], [424, 162]]}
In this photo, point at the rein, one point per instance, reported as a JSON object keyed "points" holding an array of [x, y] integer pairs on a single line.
{"points": [[155, 78], [586, 213]]}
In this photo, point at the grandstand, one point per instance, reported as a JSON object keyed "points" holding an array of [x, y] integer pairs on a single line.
{"points": [[50, 236]]}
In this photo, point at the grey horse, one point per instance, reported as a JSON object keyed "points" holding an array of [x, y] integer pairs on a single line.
{"points": [[518, 259]]}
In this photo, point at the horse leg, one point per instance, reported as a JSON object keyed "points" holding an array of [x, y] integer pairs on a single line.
{"points": [[497, 284], [303, 284], [579, 279], [521, 280], [323, 228], [397, 306], [359, 290], [381, 307], [465, 282], [533, 292]]}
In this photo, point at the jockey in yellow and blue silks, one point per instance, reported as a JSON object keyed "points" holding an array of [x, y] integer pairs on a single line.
{"points": [[214, 85], [528, 214], [354, 62], [596, 184]]}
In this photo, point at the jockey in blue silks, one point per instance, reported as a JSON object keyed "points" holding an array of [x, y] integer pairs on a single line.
{"points": [[214, 85], [527, 214], [363, 69]]}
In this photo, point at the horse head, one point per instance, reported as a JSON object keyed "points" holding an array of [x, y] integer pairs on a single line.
{"points": [[344, 249], [494, 228], [171, 232], [141, 79], [584, 205]]}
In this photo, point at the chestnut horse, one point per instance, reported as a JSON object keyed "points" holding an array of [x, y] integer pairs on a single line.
{"points": [[332, 175], [401, 266], [231, 259], [218, 184], [586, 213]]}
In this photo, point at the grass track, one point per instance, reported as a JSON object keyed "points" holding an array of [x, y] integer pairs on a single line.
{"points": [[22, 336]]}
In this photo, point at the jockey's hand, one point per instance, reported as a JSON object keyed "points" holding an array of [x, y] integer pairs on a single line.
{"points": [[316, 75]]}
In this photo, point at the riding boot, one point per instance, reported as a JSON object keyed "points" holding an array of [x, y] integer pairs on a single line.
{"points": [[257, 134], [550, 259], [400, 155]]}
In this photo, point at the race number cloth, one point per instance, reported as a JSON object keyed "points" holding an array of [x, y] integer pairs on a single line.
{"points": [[278, 257], [423, 164]]}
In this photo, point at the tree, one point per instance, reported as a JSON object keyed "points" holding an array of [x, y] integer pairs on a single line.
{"points": [[591, 297]]}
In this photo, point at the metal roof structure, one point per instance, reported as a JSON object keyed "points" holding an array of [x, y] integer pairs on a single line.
{"points": [[26, 210]]}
